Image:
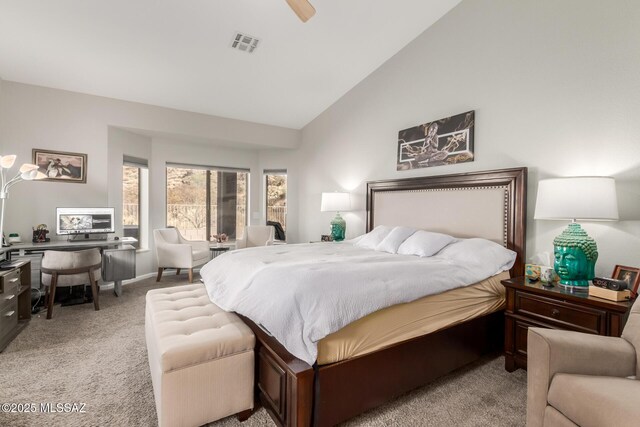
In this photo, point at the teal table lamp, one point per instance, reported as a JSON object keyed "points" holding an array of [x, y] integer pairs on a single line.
{"points": [[571, 199], [336, 202]]}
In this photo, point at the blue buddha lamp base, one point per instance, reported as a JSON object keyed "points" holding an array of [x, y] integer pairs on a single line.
{"points": [[336, 202], [575, 256], [338, 228]]}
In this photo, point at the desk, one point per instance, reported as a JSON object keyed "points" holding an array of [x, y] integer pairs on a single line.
{"points": [[65, 245], [23, 249]]}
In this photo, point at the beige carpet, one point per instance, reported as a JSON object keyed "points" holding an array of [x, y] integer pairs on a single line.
{"points": [[99, 359]]}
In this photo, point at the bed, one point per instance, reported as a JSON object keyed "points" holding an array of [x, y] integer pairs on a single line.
{"points": [[490, 205]]}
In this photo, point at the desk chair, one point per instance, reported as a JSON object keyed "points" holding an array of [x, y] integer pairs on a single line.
{"points": [[64, 268]]}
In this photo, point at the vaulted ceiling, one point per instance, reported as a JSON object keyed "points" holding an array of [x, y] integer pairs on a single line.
{"points": [[177, 54]]}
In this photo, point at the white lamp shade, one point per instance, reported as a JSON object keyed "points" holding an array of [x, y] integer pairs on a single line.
{"points": [[27, 167], [335, 202], [7, 162], [577, 198]]}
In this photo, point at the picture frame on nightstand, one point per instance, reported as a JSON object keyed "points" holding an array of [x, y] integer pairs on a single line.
{"points": [[631, 275]]}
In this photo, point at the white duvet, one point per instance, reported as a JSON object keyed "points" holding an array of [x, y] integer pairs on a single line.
{"points": [[302, 293]]}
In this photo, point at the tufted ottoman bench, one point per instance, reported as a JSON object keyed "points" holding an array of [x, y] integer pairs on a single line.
{"points": [[200, 356]]}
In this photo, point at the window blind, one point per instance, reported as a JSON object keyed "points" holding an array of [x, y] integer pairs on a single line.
{"points": [[204, 167], [135, 162], [275, 171]]}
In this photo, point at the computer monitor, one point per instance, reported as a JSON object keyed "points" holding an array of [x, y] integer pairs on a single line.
{"points": [[70, 221]]}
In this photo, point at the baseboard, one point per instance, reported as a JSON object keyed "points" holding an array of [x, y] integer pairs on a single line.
{"points": [[109, 285]]}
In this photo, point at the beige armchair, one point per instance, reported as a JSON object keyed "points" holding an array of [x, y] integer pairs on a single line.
{"points": [[256, 235], [174, 251], [582, 379]]}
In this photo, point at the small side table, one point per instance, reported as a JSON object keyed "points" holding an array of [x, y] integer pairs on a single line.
{"points": [[531, 304], [218, 250]]}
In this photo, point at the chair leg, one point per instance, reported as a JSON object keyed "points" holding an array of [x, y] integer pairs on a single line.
{"points": [[160, 270], [177, 271], [191, 275], [46, 296], [52, 294], [94, 291]]}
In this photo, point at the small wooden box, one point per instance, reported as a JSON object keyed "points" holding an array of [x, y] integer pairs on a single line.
{"points": [[610, 294]]}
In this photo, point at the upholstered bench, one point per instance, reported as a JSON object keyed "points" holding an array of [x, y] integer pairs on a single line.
{"points": [[200, 356]]}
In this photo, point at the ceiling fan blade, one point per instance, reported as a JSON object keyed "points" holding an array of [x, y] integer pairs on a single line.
{"points": [[302, 8]]}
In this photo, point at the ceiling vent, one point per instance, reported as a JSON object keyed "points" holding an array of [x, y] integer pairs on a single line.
{"points": [[244, 43]]}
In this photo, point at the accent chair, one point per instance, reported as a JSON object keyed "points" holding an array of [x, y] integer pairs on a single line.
{"points": [[256, 235], [174, 251], [581, 379]]}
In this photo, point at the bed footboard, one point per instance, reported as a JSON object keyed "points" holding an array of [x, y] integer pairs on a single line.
{"points": [[296, 395], [284, 384], [346, 389]]}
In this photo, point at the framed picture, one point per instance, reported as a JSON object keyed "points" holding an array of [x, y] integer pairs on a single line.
{"points": [[441, 142], [61, 166], [631, 275]]}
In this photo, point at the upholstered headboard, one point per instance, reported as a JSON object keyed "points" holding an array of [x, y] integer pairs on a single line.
{"points": [[490, 204]]}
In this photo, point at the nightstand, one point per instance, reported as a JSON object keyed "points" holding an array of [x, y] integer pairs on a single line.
{"points": [[531, 304]]}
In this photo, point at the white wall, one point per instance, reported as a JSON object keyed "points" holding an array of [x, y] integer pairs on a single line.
{"points": [[36, 117], [158, 152], [555, 87], [121, 143]]}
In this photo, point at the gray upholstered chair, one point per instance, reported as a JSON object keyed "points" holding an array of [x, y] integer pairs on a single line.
{"points": [[174, 251], [64, 268], [256, 235], [583, 379]]}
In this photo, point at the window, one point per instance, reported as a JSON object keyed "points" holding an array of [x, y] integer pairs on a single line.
{"points": [[276, 196], [135, 181], [205, 201]]}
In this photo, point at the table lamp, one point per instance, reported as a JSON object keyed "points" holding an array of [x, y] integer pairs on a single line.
{"points": [[336, 202], [576, 198]]}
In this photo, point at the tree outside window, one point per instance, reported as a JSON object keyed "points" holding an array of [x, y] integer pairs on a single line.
{"points": [[204, 202], [276, 185]]}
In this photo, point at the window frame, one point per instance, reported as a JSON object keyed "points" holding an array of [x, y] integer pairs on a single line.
{"points": [[209, 170], [141, 165], [277, 172]]}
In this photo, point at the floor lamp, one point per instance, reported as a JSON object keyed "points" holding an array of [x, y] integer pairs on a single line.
{"points": [[27, 172]]}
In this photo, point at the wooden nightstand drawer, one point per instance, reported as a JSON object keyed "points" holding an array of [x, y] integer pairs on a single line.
{"points": [[562, 314]]}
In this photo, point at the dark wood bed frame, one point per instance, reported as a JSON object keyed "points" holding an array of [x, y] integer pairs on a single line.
{"points": [[296, 394]]}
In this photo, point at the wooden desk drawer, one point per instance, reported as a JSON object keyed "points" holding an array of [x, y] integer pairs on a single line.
{"points": [[562, 314], [10, 282], [8, 317], [8, 299]]}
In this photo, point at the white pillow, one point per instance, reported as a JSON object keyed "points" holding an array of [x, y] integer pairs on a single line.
{"points": [[480, 252], [394, 239], [425, 243], [355, 239], [374, 237]]}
